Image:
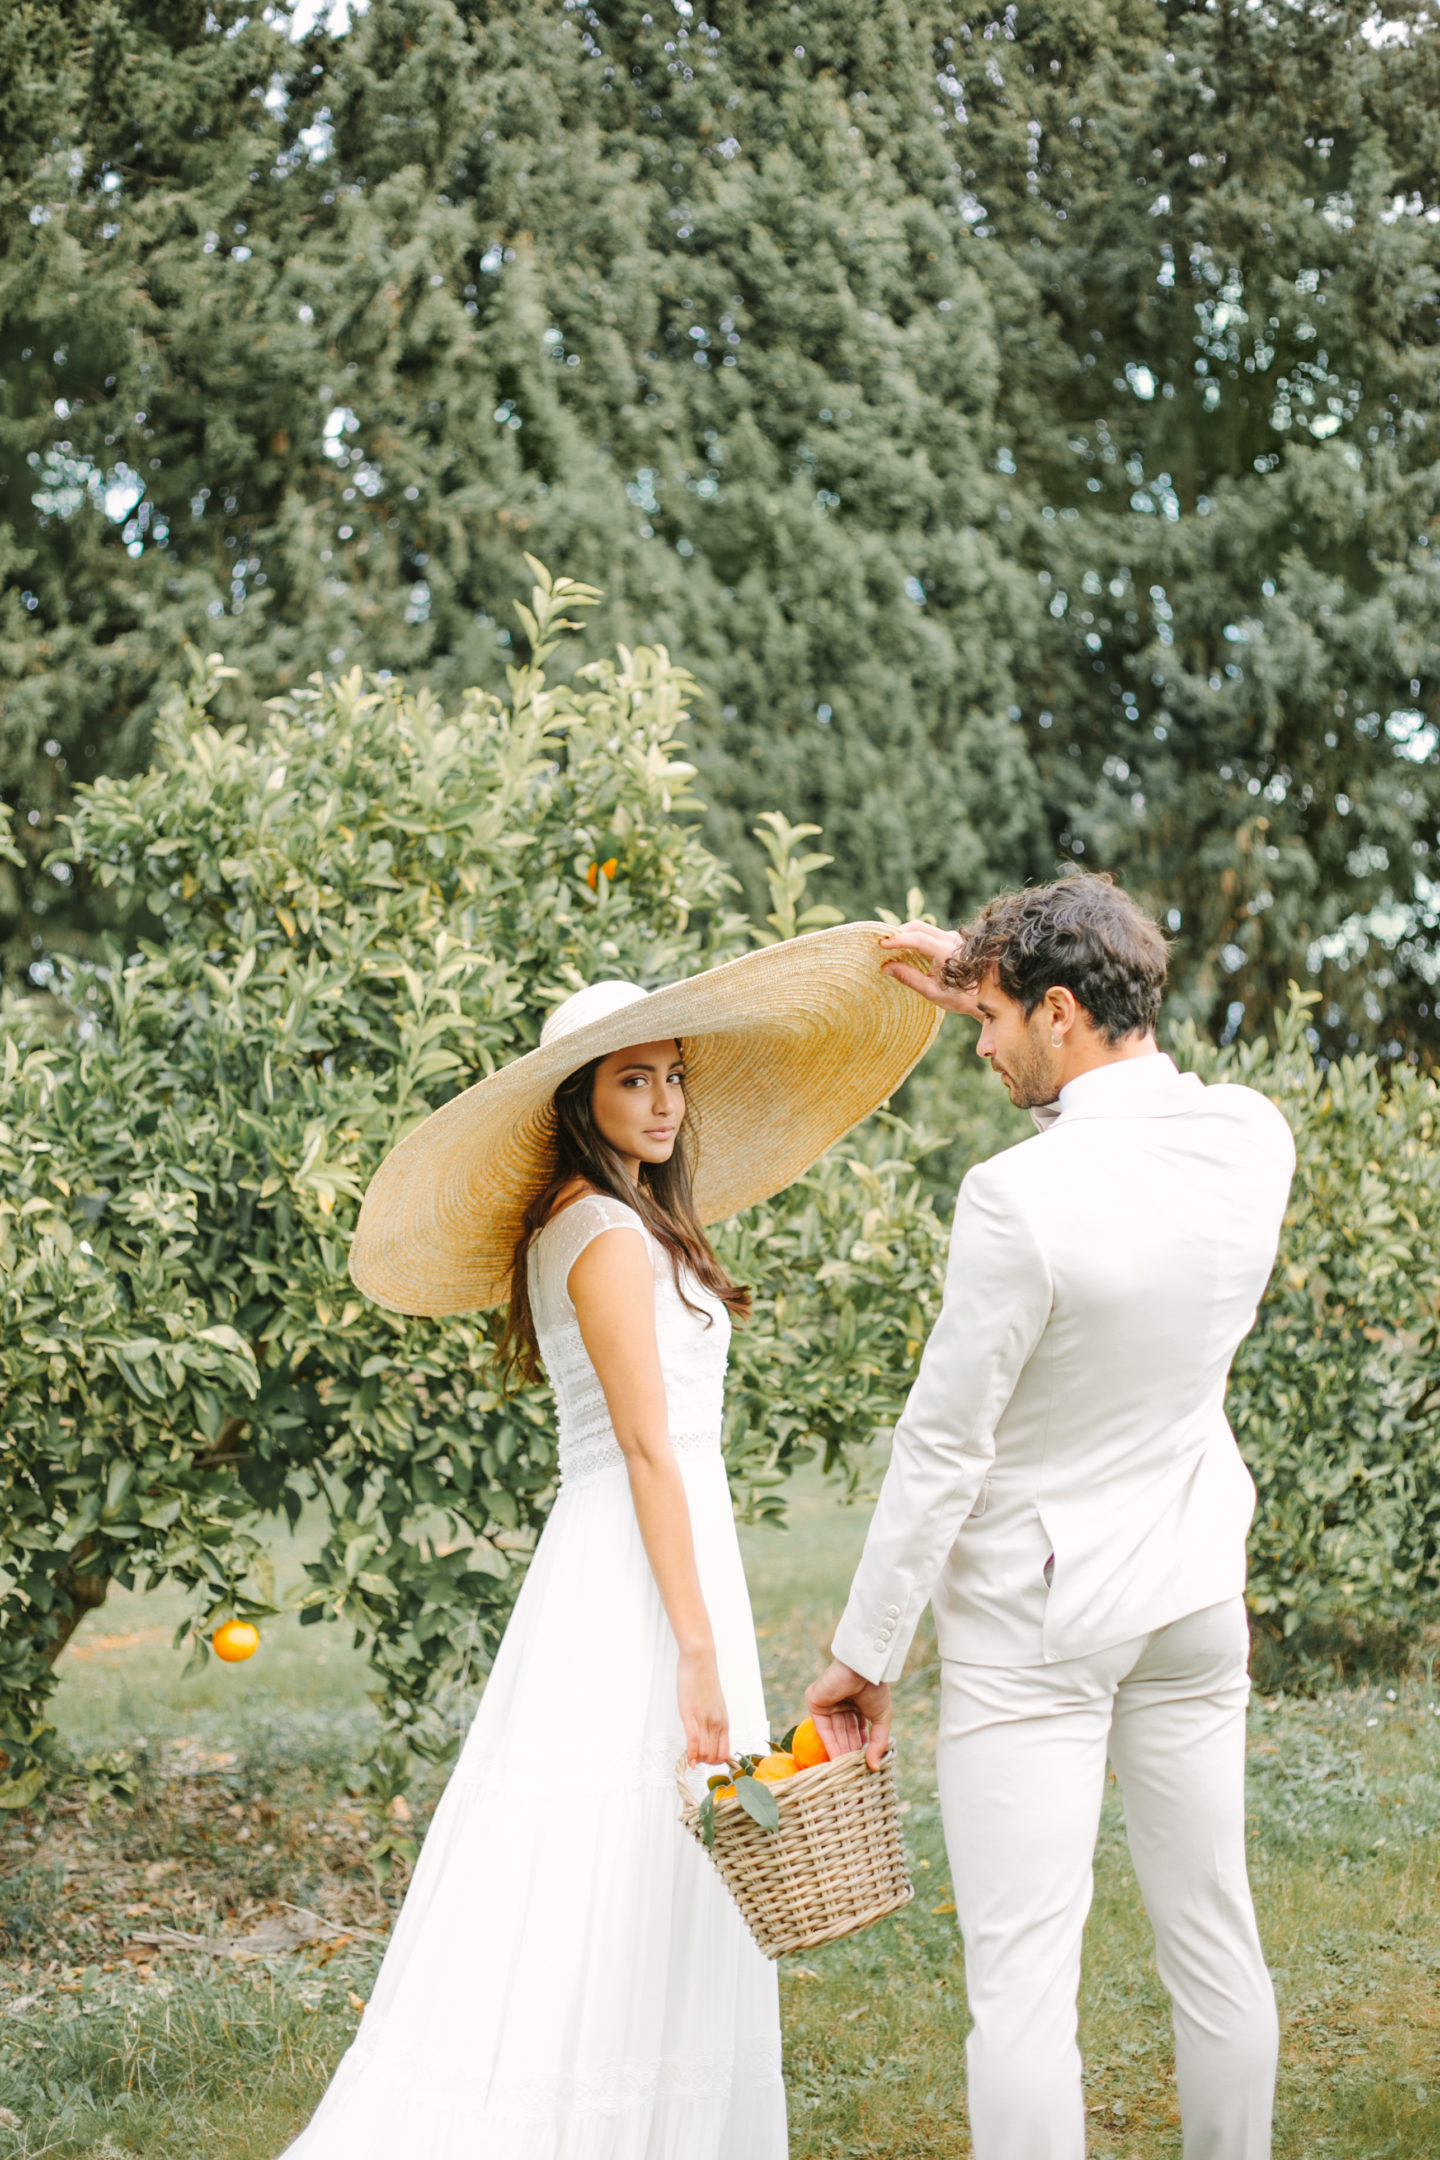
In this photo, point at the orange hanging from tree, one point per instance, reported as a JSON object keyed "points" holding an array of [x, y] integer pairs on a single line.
{"points": [[235, 1640]]}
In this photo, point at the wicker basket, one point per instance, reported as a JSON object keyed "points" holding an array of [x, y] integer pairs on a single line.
{"points": [[835, 1864]]}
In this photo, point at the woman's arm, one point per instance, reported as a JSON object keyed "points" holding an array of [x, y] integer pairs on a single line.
{"points": [[612, 1287]]}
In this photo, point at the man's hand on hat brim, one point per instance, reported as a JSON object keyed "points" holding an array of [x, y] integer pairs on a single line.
{"points": [[934, 947]]}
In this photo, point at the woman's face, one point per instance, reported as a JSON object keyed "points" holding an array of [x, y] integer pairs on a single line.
{"points": [[638, 1102]]}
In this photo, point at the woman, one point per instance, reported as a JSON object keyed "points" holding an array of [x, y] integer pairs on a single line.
{"points": [[568, 1978]]}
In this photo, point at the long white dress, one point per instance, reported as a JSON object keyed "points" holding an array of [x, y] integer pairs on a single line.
{"points": [[568, 1978]]}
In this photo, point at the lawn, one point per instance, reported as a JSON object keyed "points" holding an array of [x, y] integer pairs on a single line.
{"points": [[252, 1800]]}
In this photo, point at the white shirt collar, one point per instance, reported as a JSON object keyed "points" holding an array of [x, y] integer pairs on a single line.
{"points": [[1148, 1086]]}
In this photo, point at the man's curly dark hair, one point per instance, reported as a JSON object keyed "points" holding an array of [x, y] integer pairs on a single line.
{"points": [[1081, 934]]}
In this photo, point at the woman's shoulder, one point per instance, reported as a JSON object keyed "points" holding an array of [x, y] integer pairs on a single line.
{"points": [[581, 1204], [579, 1217], [574, 1226]]}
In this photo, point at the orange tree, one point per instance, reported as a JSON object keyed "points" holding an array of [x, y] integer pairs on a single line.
{"points": [[1334, 1395], [359, 904]]}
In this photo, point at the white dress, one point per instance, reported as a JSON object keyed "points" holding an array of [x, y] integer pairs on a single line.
{"points": [[568, 1978]]}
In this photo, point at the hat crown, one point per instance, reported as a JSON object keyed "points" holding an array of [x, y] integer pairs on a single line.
{"points": [[595, 1002]]}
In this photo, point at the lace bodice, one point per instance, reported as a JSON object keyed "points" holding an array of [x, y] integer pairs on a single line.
{"points": [[693, 1345]]}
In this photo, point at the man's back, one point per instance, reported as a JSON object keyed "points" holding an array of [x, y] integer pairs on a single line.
{"points": [[1065, 1443], [1117, 1500]]}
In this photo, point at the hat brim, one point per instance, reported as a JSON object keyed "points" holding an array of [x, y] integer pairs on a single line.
{"points": [[786, 1049]]}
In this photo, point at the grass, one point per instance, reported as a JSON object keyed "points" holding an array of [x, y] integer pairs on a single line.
{"points": [[251, 1791]]}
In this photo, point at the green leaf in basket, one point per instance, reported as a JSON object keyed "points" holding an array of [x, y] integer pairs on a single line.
{"points": [[758, 1802], [787, 1744], [707, 1821]]}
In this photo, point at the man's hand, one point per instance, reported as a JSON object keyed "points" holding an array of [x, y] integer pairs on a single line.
{"points": [[934, 947], [842, 1703]]}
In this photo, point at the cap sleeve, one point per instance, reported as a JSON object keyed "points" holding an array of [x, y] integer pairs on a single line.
{"points": [[560, 1245]]}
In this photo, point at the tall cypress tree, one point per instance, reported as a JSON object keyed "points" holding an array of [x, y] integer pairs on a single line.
{"points": [[1215, 262], [684, 309], [152, 379]]}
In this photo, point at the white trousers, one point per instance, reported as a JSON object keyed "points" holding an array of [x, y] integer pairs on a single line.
{"points": [[1021, 1775]]}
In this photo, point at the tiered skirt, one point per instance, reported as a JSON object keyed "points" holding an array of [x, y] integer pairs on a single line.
{"points": [[568, 1978]]}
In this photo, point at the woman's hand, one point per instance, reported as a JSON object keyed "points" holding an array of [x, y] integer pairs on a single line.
{"points": [[935, 947], [702, 1708]]}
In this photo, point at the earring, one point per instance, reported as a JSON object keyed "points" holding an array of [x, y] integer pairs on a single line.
{"points": [[1056, 1039]]}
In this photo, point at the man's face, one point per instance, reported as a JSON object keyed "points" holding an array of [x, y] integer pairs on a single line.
{"points": [[1019, 1048]]}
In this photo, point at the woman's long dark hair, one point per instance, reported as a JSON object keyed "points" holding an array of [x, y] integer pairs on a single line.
{"points": [[661, 1197]]}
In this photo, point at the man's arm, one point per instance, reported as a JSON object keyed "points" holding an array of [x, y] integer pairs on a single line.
{"points": [[996, 1305]]}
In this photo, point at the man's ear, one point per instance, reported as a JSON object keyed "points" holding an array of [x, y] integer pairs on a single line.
{"points": [[1063, 1010]]}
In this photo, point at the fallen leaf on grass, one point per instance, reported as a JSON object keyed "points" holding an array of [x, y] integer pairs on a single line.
{"points": [[294, 1927], [327, 1950]]}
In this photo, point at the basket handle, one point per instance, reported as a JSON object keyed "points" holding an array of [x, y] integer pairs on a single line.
{"points": [[682, 1768], [682, 1777]]}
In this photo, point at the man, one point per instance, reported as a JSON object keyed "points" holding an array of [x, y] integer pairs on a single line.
{"points": [[1065, 1490]]}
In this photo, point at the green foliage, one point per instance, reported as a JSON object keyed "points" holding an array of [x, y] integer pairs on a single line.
{"points": [[313, 338], [384, 1785], [1211, 249], [1333, 1397], [111, 1774], [365, 903], [788, 872], [1022, 416], [847, 1267]]}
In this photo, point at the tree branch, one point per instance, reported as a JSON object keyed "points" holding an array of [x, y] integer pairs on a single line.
{"points": [[83, 1591]]}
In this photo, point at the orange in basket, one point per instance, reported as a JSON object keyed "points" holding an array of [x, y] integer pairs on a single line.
{"points": [[807, 1746]]}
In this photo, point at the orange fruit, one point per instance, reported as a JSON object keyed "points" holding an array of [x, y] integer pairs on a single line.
{"points": [[807, 1746], [236, 1639], [776, 1767], [723, 1792], [596, 869]]}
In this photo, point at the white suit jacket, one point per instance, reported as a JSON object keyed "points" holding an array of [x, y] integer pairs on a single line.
{"points": [[1063, 1477]]}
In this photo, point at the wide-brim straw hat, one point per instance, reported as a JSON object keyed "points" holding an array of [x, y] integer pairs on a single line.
{"points": [[785, 1050]]}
